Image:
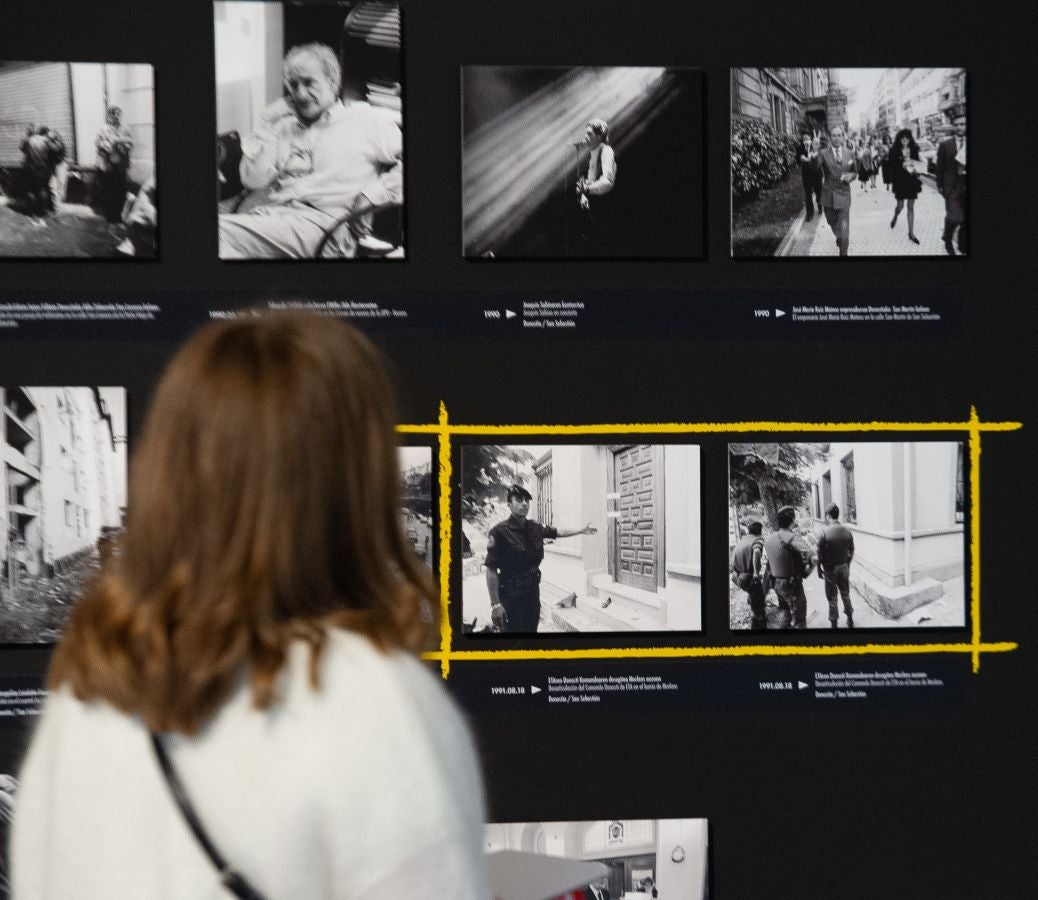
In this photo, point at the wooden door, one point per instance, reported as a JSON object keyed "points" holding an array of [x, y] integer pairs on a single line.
{"points": [[638, 479]]}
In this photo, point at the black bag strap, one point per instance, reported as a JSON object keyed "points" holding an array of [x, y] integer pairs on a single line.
{"points": [[234, 881]]}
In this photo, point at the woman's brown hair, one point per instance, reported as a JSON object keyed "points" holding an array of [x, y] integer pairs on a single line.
{"points": [[263, 508]]}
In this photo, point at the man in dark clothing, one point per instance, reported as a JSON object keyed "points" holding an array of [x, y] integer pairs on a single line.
{"points": [[950, 176], [835, 552], [43, 150], [747, 570], [515, 549], [811, 174], [788, 559]]}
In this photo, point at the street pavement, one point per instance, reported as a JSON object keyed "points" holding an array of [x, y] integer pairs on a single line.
{"points": [[947, 611], [870, 231]]}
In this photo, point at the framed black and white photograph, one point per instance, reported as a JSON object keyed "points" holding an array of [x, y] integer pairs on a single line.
{"points": [[581, 538], [77, 160], [582, 162], [416, 496], [309, 121], [847, 534], [633, 859], [8, 796], [63, 475], [849, 162]]}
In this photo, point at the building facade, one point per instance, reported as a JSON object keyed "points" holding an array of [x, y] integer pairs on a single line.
{"points": [[784, 98], [64, 478], [905, 504], [916, 98], [642, 569]]}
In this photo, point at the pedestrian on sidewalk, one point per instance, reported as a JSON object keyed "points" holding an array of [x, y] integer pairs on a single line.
{"points": [[811, 173], [878, 155], [951, 183], [838, 171], [866, 164], [885, 163], [835, 552], [905, 168]]}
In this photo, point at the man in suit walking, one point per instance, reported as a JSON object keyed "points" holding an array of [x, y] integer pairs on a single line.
{"points": [[951, 183], [839, 169]]}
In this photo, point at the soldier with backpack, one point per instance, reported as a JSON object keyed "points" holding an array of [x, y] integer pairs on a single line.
{"points": [[747, 569], [787, 558]]}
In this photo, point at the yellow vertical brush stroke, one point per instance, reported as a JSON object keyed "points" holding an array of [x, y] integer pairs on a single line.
{"points": [[446, 530], [975, 534]]}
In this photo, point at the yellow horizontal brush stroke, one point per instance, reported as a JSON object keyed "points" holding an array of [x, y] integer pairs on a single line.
{"points": [[722, 652], [705, 427]]}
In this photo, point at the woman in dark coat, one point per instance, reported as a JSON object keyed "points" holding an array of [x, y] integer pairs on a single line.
{"points": [[903, 162]]}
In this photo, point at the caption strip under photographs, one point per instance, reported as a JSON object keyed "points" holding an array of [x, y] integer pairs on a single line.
{"points": [[639, 859]]}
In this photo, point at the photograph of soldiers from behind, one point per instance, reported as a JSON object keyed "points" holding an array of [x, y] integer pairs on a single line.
{"points": [[77, 160], [814, 140], [580, 538], [847, 535]]}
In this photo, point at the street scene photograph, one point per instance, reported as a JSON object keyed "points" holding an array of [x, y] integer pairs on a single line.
{"points": [[416, 500], [849, 162], [576, 162], [847, 535], [628, 859], [580, 538], [77, 160], [62, 501], [309, 129]]}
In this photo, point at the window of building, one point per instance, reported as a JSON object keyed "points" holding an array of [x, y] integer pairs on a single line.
{"points": [[778, 113], [68, 513], [545, 512], [850, 512]]}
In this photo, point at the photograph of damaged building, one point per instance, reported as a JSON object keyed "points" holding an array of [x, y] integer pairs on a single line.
{"points": [[640, 569], [62, 500]]}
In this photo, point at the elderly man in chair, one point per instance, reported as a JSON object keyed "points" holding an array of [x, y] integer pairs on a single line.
{"points": [[315, 158]]}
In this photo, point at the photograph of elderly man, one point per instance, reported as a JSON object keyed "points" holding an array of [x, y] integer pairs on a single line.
{"points": [[309, 150]]}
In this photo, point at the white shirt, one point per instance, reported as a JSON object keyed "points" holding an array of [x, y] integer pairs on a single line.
{"points": [[350, 150], [601, 171], [368, 788]]}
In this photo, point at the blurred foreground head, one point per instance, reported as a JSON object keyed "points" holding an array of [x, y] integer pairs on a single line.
{"points": [[264, 508]]}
